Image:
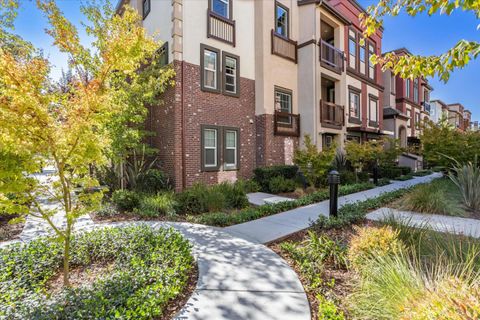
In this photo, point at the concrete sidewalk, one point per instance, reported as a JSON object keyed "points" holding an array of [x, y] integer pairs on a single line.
{"points": [[442, 223], [280, 225]]}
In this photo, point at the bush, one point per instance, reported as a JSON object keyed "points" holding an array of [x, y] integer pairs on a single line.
{"points": [[149, 269], [405, 170], [467, 179], [405, 177], [390, 172], [280, 184], [263, 175], [199, 199], [363, 176], [421, 173], [106, 211], [347, 177], [126, 200], [383, 182], [162, 204], [234, 193], [248, 186], [370, 242], [152, 181], [327, 310]]}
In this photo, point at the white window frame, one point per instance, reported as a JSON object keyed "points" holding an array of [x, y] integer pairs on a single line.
{"points": [[227, 2], [352, 103], [235, 164], [373, 101], [279, 91], [205, 68], [407, 90], [215, 148], [234, 75], [371, 67]]}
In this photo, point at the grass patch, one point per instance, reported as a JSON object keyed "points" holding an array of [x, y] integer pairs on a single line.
{"points": [[440, 196], [150, 269]]}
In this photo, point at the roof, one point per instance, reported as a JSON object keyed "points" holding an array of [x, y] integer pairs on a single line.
{"points": [[324, 4], [392, 112], [440, 102]]}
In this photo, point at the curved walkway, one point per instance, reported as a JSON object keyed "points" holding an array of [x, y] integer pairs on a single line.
{"points": [[237, 279]]}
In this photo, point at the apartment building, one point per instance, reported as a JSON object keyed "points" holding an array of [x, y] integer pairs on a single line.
{"points": [[438, 110], [253, 77], [455, 115], [467, 119]]}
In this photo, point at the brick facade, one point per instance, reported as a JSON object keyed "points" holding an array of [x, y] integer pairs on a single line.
{"points": [[181, 158]]}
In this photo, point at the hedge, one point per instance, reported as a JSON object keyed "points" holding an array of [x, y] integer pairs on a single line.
{"points": [[263, 175], [223, 219], [149, 269]]}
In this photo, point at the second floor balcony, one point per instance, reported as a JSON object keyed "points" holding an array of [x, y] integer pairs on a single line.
{"points": [[426, 107], [220, 28], [284, 47], [331, 57], [286, 124], [332, 115]]}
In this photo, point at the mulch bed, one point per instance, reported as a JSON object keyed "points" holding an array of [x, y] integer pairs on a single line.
{"points": [[9, 231]]}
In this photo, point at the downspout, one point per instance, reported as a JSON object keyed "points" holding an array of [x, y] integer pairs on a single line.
{"points": [[184, 177]]}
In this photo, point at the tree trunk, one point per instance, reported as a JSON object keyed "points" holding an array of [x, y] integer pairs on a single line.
{"points": [[66, 258]]}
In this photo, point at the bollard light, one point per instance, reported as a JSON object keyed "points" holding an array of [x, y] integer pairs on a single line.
{"points": [[334, 181]]}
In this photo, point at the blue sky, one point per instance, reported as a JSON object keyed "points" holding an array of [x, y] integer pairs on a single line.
{"points": [[421, 35]]}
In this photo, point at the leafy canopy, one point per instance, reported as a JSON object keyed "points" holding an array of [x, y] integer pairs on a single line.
{"points": [[414, 66]]}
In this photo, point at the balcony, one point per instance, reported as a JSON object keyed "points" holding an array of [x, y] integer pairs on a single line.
{"points": [[332, 115], [286, 124], [331, 57], [284, 47], [220, 28]]}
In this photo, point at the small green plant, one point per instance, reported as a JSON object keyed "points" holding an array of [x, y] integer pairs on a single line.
{"points": [[248, 186], [152, 181], [234, 193], [327, 309], [162, 204], [199, 199], [126, 200], [467, 179], [383, 182], [405, 177], [280, 184]]}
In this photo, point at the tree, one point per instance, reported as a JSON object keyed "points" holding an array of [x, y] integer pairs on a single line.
{"points": [[314, 163], [414, 66], [72, 124], [360, 154]]}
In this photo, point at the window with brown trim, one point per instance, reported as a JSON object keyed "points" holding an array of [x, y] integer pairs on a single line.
{"points": [[231, 74], [283, 103], [163, 54], [373, 110], [417, 120], [210, 68], [282, 20], [408, 85], [222, 8], [415, 90], [352, 49], [146, 6], [362, 55], [371, 66], [409, 115], [393, 84], [354, 110], [220, 148]]}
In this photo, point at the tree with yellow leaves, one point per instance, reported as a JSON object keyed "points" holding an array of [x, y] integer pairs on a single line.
{"points": [[77, 126]]}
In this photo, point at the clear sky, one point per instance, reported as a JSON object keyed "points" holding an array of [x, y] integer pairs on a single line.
{"points": [[421, 35]]}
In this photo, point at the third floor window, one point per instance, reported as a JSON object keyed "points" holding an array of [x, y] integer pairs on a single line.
{"points": [[221, 7], [408, 86], [415, 90], [281, 20]]}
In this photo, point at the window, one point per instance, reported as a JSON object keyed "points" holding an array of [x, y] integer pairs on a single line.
{"points": [[210, 148], [354, 110], [231, 74], [362, 59], [371, 67], [408, 84], [146, 8], [426, 96], [281, 20], [392, 83], [230, 154], [373, 110], [210, 66], [283, 103], [415, 90], [352, 49], [417, 120], [409, 115], [163, 54], [328, 140], [221, 7], [220, 147]]}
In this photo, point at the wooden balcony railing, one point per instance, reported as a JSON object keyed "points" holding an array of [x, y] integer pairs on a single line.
{"points": [[284, 47], [286, 124], [332, 115], [426, 107], [220, 28], [331, 57]]}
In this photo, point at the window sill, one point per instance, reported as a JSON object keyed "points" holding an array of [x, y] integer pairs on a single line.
{"points": [[354, 120]]}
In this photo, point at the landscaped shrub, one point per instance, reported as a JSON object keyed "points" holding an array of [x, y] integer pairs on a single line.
{"points": [[383, 182], [467, 179], [199, 199], [371, 242], [363, 176], [161, 204], [280, 184], [263, 175], [347, 177], [327, 310], [421, 173], [248, 186], [223, 219], [152, 181], [147, 269], [405, 170], [106, 211], [405, 177], [390, 172], [234, 193], [126, 200]]}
